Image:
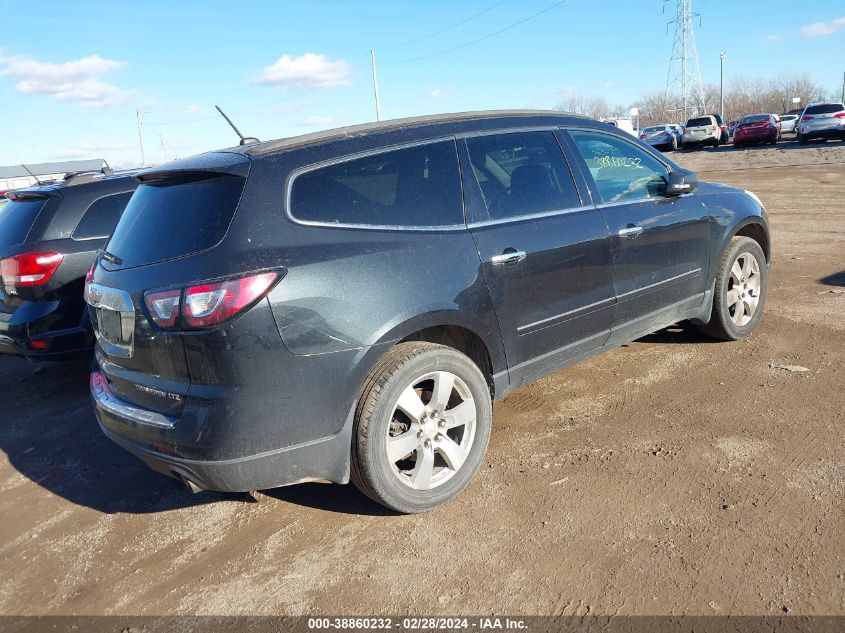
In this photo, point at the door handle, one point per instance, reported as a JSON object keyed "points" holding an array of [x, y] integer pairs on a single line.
{"points": [[630, 231], [510, 256]]}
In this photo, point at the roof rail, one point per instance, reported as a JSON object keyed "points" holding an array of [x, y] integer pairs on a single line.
{"points": [[63, 168]]}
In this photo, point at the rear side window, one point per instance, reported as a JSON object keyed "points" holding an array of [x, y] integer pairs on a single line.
{"points": [[700, 121], [521, 173], [16, 218], [175, 218], [825, 108], [412, 186], [101, 217]]}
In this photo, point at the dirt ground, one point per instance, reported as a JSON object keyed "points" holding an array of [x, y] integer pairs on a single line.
{"points": [[674, 475]]}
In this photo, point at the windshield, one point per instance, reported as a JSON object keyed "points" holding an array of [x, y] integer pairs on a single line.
{"points": [[16, 218]]}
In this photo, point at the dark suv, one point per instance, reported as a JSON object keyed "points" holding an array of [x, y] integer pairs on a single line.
{"points": [[49, 236], [347, 304]]}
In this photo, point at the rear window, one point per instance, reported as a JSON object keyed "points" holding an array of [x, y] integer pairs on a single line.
{"points": [[171, 219], [788, 117], [825, 108], [101, 217], [755, 118], [412, 186], [16, 218], [704, 120]]}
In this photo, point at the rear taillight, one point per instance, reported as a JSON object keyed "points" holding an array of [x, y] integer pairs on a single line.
{"points": [[806, 118], [29, 269], [207, 305], [841, 115], [89, 276], [163, 306], [210, 304]]}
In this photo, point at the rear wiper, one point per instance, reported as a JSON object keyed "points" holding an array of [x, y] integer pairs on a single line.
{"points": [[112, 259]]}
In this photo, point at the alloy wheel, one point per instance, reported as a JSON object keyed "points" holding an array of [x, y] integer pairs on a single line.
{"points": [[431, 431], [744, 285]]}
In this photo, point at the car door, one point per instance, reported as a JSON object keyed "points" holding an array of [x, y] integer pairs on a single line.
{"points": [[545, 255], [661, 243]]}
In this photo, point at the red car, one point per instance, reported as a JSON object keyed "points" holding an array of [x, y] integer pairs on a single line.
{"points": [[757, 128]]}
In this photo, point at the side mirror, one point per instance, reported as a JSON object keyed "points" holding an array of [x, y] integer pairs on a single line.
{"points": [[681, 182]]}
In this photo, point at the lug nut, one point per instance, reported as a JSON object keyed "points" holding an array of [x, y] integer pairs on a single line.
{"points": [[419, 434], [434, 414], [428, 444], [438, 437], [442, 423]]}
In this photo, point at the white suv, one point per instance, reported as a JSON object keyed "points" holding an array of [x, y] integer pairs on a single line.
{"points": [[822, 120], [702, 130]]}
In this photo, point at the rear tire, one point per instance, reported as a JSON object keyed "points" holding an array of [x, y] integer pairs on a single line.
{"points": [[802, 139], [742, 281], [421, 427]]}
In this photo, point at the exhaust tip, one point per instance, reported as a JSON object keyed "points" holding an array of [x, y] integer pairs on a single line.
{"points": [[192, 486]]}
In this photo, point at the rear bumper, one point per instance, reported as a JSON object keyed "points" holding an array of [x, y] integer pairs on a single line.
{"points": [[757, 137], [834, 133], [324, 458], [31, 323]]}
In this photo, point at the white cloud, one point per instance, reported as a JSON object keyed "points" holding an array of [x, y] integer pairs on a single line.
{"points": [[774, 37], [820, 29], [191, 109], [306, 72], [79, 81], [316, 119], [437, 93], [89, 150]]}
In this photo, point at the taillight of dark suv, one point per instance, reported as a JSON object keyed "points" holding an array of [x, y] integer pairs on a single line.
{"points": [[209, 304]]}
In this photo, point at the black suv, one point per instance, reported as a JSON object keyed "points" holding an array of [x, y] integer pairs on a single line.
{"points": [[49, 237], [347, 304]]}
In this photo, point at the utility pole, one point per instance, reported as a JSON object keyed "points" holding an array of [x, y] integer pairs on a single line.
{"points": [[843, 87], [140, 138], [375, 85], [722, 56]]}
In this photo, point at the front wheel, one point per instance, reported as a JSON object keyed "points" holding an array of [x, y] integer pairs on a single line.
{"points": [[742, 281], [421, 428]]}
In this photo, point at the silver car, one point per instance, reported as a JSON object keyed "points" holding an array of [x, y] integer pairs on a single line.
{"points": [[822, 120], [660, 136], [702, 130], [788, 122]]}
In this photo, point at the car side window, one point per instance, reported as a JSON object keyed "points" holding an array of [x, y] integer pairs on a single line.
{"points": [[621, 170], [412, 186], [521, 173], [101, 217]]}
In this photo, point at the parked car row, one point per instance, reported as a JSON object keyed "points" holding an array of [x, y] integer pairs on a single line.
{"points": [[816, 121], [346, 305]]}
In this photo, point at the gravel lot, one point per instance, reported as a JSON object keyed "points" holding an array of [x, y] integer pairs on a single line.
{"points": [[673, 475]]}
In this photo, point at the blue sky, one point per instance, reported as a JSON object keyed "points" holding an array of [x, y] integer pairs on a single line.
{"points": [[73, 74]]}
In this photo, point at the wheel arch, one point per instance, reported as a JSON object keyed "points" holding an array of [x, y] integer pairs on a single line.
{"points": [[756, 229], [473, 337]]}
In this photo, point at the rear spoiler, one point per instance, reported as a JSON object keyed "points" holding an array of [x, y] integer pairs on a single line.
{"points": [[25, 195], [201, 167]]}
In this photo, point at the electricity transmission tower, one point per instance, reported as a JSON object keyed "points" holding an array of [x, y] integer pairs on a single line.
{"points": [[684, 95]]}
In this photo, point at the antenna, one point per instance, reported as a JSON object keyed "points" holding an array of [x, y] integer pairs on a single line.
{"points": [[683, 82], [31, 174], [245, 140]]}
